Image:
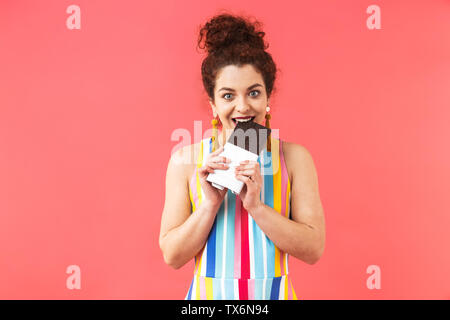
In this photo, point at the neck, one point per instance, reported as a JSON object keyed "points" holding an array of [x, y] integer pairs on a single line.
{"points": [[223, 136]]}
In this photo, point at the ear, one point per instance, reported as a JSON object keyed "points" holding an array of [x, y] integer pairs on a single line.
{"points": [[213, 107]]}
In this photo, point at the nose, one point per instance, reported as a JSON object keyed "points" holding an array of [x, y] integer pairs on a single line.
{"points": [[242, 106]]}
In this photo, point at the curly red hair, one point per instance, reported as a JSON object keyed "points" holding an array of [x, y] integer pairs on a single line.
{"points": [[234, 40]]}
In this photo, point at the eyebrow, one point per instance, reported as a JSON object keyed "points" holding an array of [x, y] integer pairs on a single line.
{"points": [[249, 88]]}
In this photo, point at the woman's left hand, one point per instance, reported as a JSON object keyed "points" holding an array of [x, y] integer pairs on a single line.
{"points": [[249, 172]]}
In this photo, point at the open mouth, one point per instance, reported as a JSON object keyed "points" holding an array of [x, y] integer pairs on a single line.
{"points": [[236, 120]]}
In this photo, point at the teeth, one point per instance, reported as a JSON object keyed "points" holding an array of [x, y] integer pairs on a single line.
{"points": [[243, 120]]}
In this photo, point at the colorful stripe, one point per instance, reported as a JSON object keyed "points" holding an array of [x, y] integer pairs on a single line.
{"points": [[220, 241], [245, 252], [269, 199], [211, 246], [278, 288], [237, 239], [229, 264], [238, 260]]}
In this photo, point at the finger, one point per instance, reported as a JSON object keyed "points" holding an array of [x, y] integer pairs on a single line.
{"points": [[244, 179], [253, 164], [244, 162], [246, 167], [219, 159], [218, 165], [219, 150], [247, 172], [210, 167], [205, 170]]}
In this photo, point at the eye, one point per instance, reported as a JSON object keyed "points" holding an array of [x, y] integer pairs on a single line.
{"points": [[256, 91], [226, 94]]}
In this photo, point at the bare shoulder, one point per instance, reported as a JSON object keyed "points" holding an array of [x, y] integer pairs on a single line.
{"points": [[185, 158], [292, 148], [306, 205], [177, 204], [298, 159]]}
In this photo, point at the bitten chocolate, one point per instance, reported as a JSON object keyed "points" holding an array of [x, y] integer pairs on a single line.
{"points": [[250, 136]]}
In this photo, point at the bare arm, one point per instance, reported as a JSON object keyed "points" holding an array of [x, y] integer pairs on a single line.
{"points": [[304, 235], [183, 234], [182, 243], [298, 239]]}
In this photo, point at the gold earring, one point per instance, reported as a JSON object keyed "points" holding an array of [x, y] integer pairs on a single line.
{"points": [[268, 116], [214, 138]]}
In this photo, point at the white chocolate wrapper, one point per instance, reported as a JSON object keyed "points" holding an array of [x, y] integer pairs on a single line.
{"points": [[226, 178]]}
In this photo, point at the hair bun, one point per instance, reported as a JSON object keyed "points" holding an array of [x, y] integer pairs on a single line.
{"points": [[225, 30]]}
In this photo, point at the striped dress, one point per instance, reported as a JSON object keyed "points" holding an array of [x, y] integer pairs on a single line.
{"points": [[238, 260]]}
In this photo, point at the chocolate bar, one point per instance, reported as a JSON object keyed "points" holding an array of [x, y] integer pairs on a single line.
{"points": [[245, 143], [250, 136]]}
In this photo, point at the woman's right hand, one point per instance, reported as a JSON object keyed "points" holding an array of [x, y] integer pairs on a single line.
{"points": [[213, 195]]}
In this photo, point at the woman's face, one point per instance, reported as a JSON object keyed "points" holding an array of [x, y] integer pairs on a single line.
{"points": [[239, 92]]}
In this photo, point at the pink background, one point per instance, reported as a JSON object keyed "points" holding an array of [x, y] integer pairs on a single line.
{"points": [[86, 118]]}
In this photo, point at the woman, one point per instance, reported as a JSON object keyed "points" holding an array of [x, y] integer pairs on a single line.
{"points": [[240, 242]]}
